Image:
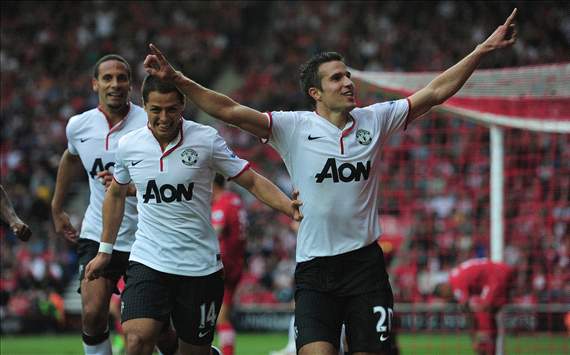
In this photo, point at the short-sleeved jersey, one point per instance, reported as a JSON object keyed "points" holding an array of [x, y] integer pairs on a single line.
{"points": [[91, 136], [337, 173], [174, 194], [230, 218], [483, 278]]}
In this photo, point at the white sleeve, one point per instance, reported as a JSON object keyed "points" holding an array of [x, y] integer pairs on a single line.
{"points": [[225, 161], [392, 116], [121, 172], [70, 134], [282, 125]]}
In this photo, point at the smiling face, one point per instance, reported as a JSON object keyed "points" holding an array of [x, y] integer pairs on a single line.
{"points": [[337, 89], [112, 85], [164, 111]]}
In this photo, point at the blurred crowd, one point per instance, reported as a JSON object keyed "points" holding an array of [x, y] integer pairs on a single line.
{"points": [[435, 185]]}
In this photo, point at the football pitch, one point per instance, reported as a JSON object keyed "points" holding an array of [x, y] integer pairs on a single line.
{"points": [[263, 343]]}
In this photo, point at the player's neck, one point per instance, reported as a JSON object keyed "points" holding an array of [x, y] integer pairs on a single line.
{"points": [[114, 115], [337, 118], [164, 142]]}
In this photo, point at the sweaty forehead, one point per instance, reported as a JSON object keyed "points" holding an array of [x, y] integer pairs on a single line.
{"points": [[112, 67], [330, 68]]}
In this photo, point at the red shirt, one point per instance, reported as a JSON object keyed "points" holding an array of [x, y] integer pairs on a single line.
{"points": [[481, 278], [230, 219]]}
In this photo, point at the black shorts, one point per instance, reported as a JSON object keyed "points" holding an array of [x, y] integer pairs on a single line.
{"points": [[193, 302], [87, 249], [351, 288]]}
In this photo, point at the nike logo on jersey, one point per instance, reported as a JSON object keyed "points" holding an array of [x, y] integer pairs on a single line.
{"points": [[384, 337], [313, 138], [136, 162], [203, 334], [84, 139]]}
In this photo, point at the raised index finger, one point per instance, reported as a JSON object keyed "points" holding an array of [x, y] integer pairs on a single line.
{"points": [[156, 51], [511, 17]]}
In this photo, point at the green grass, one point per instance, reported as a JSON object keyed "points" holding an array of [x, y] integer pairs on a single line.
{"points": [[262, 343]]}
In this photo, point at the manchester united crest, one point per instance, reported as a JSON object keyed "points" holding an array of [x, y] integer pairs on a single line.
{"points": [[189, 156], [363, 137]]}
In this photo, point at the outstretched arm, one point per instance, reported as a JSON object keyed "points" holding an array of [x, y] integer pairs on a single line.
{"points": [[271, 195], [450, 81], [214, 103], [19, 228]]}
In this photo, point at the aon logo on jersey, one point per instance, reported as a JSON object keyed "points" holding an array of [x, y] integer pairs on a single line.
{"points": [[346, 172], [167, 193]]}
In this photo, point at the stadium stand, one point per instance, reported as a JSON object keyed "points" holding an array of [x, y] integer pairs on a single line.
{"points": [[436, 201]]}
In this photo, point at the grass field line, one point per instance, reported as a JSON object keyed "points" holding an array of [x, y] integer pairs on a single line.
{"points": [[263, 343]]}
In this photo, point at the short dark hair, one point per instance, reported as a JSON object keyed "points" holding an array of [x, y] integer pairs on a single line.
{"points": [[152, 83], [309, 72], [107, 58]]}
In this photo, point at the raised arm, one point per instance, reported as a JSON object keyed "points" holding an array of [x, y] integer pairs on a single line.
{"points": [[450, 81], [113, 211], [214, 103], [265, 191], [19, 228], [69, 167]]}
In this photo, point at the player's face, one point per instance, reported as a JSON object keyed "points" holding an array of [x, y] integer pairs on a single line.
{"points": [[164, 113], [113, 85], [337, 92]]}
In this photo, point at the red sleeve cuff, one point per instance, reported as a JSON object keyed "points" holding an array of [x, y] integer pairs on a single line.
{"points": [[120, 183], [245, 168]]}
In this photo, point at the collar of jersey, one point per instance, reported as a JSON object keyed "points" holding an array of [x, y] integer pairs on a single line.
{"points": [[117, 126], [171, 144], [345, 131], [173, 147]]}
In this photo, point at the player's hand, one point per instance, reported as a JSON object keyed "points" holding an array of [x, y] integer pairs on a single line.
{"points": [[105, 177], [21, 230], [296, 205], [504, 36], [64, 227], [131, 190], [96, 266], [157, 65]]}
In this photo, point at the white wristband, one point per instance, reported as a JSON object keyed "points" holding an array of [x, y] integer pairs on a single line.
{"points": [[106, 248]]}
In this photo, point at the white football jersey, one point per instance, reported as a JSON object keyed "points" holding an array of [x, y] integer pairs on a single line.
{"points": [[90, 136], [337, 174], [174, 193]]}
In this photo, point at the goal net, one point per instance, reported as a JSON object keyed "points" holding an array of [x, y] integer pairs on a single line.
{"points": [[486, 174]]}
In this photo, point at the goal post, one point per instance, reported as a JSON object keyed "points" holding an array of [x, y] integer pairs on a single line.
{"points": [[485, 99], [487, 173]]}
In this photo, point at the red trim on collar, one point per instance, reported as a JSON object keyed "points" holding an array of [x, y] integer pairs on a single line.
{"points": [[115, 128], [345, 133], [167, 153], [245, 168]]}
